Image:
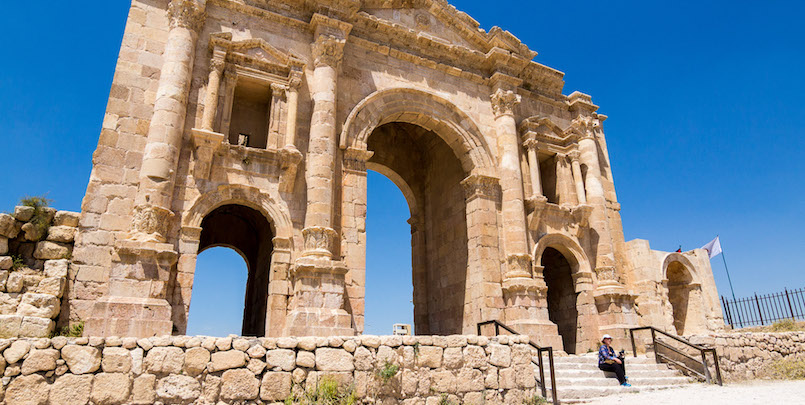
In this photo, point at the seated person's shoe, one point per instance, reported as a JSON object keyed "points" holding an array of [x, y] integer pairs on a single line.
{"points": [[626, 384]]}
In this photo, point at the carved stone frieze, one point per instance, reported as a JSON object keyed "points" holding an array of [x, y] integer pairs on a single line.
{"points": [[478, 185], [188, 14], [150, 223], [355, 159], [318, 241], [519, 265]]}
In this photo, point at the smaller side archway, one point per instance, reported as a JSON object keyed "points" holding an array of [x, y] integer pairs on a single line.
{"points": [[684, 294]]}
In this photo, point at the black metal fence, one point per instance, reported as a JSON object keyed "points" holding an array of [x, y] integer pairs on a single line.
{"points": [[762, 310]]}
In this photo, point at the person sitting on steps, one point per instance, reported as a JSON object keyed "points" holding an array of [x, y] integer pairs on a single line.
{"points": [[607, 361]]}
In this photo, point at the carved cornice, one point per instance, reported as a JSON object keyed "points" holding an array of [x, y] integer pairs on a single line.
{"points": [[355, 159], [504, 101], [478, 185], [188, 14], [328, 51]]}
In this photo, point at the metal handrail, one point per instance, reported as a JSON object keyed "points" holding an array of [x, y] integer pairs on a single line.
{"points": [[702, 350], [498, 325]]}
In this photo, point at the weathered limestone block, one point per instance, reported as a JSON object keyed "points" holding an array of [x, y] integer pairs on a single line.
{"points": [[16, 351], [307, 343], [81, 359], [28, 390], [178, 389], [211, 388], [329, 359], [370, 341], [287, 343], [40, 360], [9, 324], [56, 268], [305, 359], [24, 213], [256, 366], [500, 355], [283, 358], [195, 360], [116, 360], [164, 360], [33, 326], [39, 305], [71, 389], [3, 245], [453, 358], [66, 218], [524, 376], [474, 356], [363, 359], [52, 286], [506, 378], [521, 354], [32, 232], [8, 226], [9, 304], [15, 282], [240, 344], [443, 382], [47, 250], [239, 385], [256, 351], [471, 380], [430, 356], [63, 234], [276, 386], [143, 392], [110, 388], [223, 343], [226, 360], [6, 263]]}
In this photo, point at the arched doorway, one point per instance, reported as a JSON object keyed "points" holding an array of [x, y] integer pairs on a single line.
{"points": [[561, 297], [679, 285], [219, 287], [249, 233], [429, 174]]}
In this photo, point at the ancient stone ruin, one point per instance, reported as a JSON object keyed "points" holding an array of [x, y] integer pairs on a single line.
{"points": [[252, 124]]}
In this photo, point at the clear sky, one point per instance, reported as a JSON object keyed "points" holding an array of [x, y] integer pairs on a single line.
{"points": [[705, 131]]}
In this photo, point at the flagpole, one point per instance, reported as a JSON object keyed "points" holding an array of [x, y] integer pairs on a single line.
{"points": [[723, 257]]}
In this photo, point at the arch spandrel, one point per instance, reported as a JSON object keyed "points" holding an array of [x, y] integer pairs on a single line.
{"points": [[426, 110], [277, 216], [686, 263]]}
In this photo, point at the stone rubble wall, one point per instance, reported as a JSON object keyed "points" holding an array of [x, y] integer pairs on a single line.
{"points": [[207, 370], [33, 269], [749, 355]]}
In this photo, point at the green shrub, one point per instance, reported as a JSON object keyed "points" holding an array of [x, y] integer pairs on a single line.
{"points": [[786, 325], [444, 401], [388, 372], [74, 330], [17, 262], [40, 219], [535, 400], [789, 368], [326, 392]]}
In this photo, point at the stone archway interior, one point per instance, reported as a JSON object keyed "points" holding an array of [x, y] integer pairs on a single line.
{"points": [[561, 297], [679, 280], [432, 175], [249, 233]]}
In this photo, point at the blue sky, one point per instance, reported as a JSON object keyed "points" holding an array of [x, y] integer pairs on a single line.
{"points": [[705, 131]]}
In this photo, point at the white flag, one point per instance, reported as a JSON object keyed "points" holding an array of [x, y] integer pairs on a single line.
{"points": [[713, 247]]}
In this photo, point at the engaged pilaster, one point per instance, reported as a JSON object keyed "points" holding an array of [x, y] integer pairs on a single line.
{"points": [[577, 179]]}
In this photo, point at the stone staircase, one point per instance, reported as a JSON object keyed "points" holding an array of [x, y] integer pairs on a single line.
{"points": [[578, 378]]}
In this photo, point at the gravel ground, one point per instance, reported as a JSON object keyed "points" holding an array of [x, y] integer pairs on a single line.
{"points": [[747, 393]]}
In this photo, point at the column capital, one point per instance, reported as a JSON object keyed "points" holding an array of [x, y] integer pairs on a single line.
{"points": [[188, 14], [319, 241], [217, 64], [150, 223], [574, 155], [586, 126], [531, 144], [479, 185], [328, 51], [277, 89], [355, 159], [504, 101], [294, 79]]}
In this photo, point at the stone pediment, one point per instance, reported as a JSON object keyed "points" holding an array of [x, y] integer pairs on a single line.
{"points": [[543, 130]]}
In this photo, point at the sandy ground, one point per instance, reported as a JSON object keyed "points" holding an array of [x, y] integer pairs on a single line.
{"points": [[748, 393]]}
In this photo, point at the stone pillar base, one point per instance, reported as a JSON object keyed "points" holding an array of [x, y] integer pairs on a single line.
{"points": [[616, 315], [133, 317], [543, 333], [319, 299]]}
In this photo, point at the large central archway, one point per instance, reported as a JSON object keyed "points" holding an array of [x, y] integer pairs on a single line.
{"points": [[429, 174]]}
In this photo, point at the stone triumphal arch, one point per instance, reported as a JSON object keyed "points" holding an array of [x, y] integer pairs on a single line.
{"points": [[251, 125]]}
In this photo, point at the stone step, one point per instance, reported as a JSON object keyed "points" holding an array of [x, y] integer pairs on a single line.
{"points": [[587, 359], [613, 382], [595, 373], [594, 366], [580, 394]]}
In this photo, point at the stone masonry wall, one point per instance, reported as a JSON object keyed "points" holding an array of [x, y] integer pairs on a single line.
{"points": [[749, 355], [206, 370], [34, 252]]}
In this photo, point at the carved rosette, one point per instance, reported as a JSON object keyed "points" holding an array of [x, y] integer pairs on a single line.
{"points": [[150, 223], [504, 101], [319, 241], [355, 159], [188, 14], [328, 50], [478, 185]]}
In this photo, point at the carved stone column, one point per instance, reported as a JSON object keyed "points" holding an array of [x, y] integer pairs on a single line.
{"points": [[327, 48], [213, 87], [514, 219], [576, 167], [531, 146], [164, 141], [293, 107], [319, 282], [143, 264]]}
